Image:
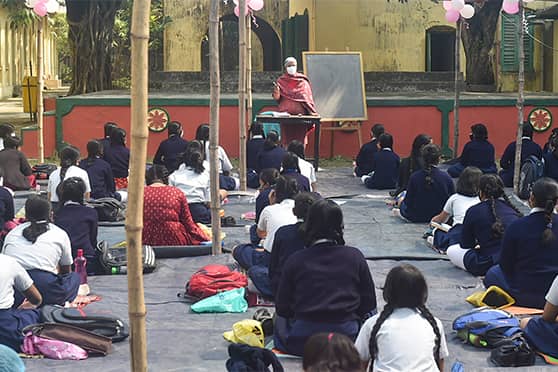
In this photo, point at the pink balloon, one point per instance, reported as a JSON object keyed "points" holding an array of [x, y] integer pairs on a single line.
{"points": [[255, 4], [510, 8], [40, 9], [447, 5], [237, 10], [452, 15]]}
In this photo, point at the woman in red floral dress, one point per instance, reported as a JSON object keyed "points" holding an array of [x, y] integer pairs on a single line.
{"points": [[166, 216]]}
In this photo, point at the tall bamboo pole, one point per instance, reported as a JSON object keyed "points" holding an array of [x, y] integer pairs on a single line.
{"points": [[40, 88], [457, 89], [215, 92], [520, 100], [242, 90], [248, 71], [134, 219]]}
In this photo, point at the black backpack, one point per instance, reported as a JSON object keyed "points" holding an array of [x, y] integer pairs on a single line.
{"points": [[513, 352], [114, 259], [43, 171], [531, 170], [108, 209]]}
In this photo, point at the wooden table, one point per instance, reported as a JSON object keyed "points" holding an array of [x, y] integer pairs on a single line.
{"points": [[298, 120]]}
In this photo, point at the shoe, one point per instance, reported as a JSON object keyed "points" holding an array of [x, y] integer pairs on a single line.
{"points": [[364, 178], [430, 241]]}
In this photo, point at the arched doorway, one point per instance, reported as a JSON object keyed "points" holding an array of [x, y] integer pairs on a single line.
{"points": [[268, 53], [440, 48]]}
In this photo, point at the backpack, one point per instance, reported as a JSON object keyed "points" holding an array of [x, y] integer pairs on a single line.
{"points": [[108, 209], [114, 259], [531, 170], [212, 279], [486, 327], [513, 352], [43, 171]]}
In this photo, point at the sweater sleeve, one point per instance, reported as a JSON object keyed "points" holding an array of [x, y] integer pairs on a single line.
{"points": [[465, 158], [93, 230], [468, 240], [508, 254], [367, 290], [158, 158], [507, 157], [284, 297], [24, 165]]}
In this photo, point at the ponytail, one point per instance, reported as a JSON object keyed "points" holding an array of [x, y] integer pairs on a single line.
{"points": [[431, 155], [34, 230], [497, 226], [68, 157], [194, 160], [37, 211]]}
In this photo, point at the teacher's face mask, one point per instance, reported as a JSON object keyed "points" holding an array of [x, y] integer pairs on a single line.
{"points": [[291, 70]]}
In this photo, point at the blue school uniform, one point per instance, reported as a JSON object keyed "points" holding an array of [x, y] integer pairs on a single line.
{"points": [[476, 153], [288, 240], [6, 206], [119, 159], [302, 182], [169, 152], [551, 165], [423, 202], [12, 323], [105, 144], [527, 268], [365, 158], [262, 201], [271, 158], [386, 170], [507, 161], [477, 229], [101, 179], [253, 147]]}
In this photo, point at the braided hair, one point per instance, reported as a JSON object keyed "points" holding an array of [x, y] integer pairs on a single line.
{"points": [[324, 221], [194, 159], [405, 286], [491, 188], [37, 212], [545, 195], [156, 173], [68, 157], [431, 156]]}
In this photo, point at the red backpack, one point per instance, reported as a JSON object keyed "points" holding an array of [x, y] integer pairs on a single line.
{"points": [[212, 279]]}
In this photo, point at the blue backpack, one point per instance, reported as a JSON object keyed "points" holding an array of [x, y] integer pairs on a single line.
{"points": [[531, 170], [486, 327]]}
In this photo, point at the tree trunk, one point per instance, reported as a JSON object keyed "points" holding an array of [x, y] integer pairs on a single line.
{"points": [[242, 91], [478, 41], [90, 35], [40, 87], [520, 101]]}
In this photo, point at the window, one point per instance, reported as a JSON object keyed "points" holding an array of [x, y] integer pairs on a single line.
{"points": [[510, 40]]}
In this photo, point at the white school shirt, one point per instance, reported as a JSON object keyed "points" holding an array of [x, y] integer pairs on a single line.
{"points": [[73, 171], [195, 186], [552, 295], [457, 206], [224, 161], [307, 170], [12, 275], [273, 217], [406, 342], [51, 249]]}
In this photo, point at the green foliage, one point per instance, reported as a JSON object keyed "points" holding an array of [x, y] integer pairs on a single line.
{"points": [[19, 15], [59, 28]]}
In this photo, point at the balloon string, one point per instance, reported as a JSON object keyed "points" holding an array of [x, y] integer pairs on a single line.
{"points": [[254, 19]]}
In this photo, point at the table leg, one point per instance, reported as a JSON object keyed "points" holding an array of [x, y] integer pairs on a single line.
{"points": [[317, 145]]}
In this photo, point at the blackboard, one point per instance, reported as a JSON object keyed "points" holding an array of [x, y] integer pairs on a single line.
{"points": [[337, 84]]}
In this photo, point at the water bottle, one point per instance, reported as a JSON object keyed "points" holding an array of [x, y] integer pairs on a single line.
{"points": [[80, 264], [118, 270]]}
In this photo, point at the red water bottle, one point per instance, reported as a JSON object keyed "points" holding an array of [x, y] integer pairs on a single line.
{"points": [[80, 264]]}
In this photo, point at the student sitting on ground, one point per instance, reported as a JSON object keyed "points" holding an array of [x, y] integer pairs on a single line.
{"points": [[253, 147], [45, 251], [6, 130], [529, 257], [290, 169], [226, 181], [411, 164], [272, 153], [331, 352], [6, 209], [169, 151], [68, 168], [455, 208], [483, 227], [365, 158], [326, 287], [166, 215], [386, 166], [79, 222], [306, 168], [118, 156], [550, 145], [14, 278], [268, 177], [105, 141], [528, 148], [477, 153], [17, 171], [428, 189], [405, 336], [542, 331], [551, 160], [99, 173]]}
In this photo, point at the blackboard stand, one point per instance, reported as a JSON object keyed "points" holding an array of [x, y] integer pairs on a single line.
{"points": [[298, 120], [346, 126]]}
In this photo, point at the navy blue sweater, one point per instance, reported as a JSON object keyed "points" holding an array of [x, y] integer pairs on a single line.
{"points": [[80, 223], [105, 144], [100, 177], [6, 206], [302, 182], [551, 165], [169, 152], [262, 201], [365, 157], [326, 283], [480, 154], [270, 158], [528, 148], [386, 170], [423, 202], [253, 148], [119, 159], [529, 266], [287, 241]]}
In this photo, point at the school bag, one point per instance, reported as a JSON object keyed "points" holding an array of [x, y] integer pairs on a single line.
{"points": [[212, 279], [43, 171], [108, 209], [486, 327], [531, 170], [114, 259], [513, 352]]}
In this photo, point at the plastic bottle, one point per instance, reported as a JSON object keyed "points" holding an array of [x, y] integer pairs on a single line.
{"points": [[80, 264], [119, 270]]}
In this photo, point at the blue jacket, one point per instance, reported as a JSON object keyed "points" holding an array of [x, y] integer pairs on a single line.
{"points": [[100, 177], [302, 182], [386, 170], [119, 159], [270, 158], [480, 154], [169, 152], [365, 157], [551, 165], [253, 147], [528, 148], [288, 240], [80, 223]]}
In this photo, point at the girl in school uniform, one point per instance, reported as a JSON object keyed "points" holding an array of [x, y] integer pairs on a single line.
{"points": [[290, 169], [306, 168], [411, 164], [405, 336], [529, 258], [17, 171], [551, 159], [105, 141], [455, 208], [118, 156], [99, 173], [477, 153], [326, 287], [45, 251], [272, 153], [6, 209], [386, 166], [13, 277], [268, 178], [79, 222], [528, 148], [428, 189], [253, 147], [68, 168], [169, 151], [483, 227]]}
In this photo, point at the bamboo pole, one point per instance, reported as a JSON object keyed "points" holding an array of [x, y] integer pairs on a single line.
{"points": [[40, 87], [215, 87], [248, 71], [520, 100], [242, 90], [457, 89], [139, 35]]}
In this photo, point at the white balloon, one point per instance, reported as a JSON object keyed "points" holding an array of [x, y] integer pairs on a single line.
{"points": [[467, 12], [457, 4], [511, 1], [52, 6], [31, 3]]}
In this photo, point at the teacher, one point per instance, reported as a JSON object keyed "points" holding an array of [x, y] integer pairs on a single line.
{"points": [[293, 94]]}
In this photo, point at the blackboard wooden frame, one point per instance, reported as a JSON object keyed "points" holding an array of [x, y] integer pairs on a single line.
{"points": [[362, 90]]}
